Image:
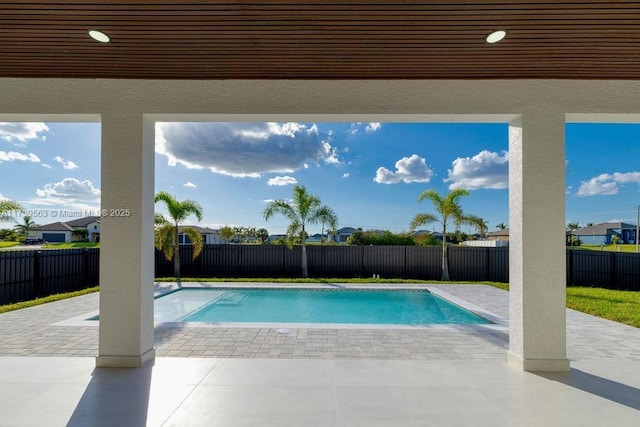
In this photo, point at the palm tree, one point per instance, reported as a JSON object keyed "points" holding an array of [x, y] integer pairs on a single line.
{"points": [[26, 225], [303, 210], [450, 212], [262, 234], [479, 224], [166, 236], [501, 226], [327, 217], [6, 206]]}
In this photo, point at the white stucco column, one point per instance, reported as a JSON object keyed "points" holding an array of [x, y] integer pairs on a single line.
{"points": [[126, 241], [537, 266]]}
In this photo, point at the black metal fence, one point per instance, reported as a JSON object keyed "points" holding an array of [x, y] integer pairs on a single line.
{"points": [[30, 274], [25, 275], [409, 262], [611, 270]]}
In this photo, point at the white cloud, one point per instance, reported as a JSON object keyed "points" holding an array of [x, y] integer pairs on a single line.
{"points": [[2, 197], [45, 165], [70, 192], [485, 170], [67, 164], [345, 175], [357, 127], [21, 132], [372, 127], [243, 149], [282, 180], [607, 184], [13, 156], [408, 169], [189, 184]]}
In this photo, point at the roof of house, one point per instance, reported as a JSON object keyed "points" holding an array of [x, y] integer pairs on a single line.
{"points": [[344, 230], [503, 232], [56, 226], [83, 222], [201, 230], [602, 228]]}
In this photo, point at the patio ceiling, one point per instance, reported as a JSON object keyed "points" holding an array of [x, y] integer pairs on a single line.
{"points": [[319, 39]]}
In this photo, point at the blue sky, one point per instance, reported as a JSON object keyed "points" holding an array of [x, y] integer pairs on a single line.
{"points": [[370, 173]]}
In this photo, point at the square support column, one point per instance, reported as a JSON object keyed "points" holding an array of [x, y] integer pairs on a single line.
{"points": [[537, 252], [126, 242]]}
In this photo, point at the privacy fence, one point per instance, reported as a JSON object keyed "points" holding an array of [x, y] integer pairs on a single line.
{"points": [[25, 275]]}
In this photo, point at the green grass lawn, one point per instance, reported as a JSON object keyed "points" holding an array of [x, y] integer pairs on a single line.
{"points": [[72, 245], [609, 248], [619, 306], [44, 300], [8, 244]]}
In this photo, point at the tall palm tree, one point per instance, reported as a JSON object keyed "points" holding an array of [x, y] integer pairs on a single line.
{"points": [[328, 217], [449, 212], [166, 236], [303, 210], [6, 206], [27, 225], [501, 226], [479, 224]]}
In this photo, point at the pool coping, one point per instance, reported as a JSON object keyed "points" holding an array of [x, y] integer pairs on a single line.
{"points": [[498, 323]]}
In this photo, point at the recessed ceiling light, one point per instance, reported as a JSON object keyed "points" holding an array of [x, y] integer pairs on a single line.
{"points": [[496, 36], [99, 36]]}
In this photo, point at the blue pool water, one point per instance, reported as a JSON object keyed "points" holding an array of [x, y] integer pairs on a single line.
{"points": [[392, 307]]}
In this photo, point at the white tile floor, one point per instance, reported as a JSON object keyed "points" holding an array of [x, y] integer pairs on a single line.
{"points": [[278, 392]]}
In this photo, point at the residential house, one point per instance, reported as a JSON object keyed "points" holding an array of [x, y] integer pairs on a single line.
{"points": [[58, 232], [603, 233], [499, 235], [89, 223], [87, 228], [209, 235], [343, 234]]}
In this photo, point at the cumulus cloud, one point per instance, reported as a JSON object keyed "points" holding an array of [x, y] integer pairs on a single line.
{"points": [[243, 149], [67, 164], [13, 156], [282, 180], [372, 127], [356, 128], [21, 132], [189, 184], [607, 184], [45, 165], [408, 169], [485, 170], [70, 192], [345, 175]]}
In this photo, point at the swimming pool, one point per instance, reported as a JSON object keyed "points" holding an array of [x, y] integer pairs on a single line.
{"points": [[316, 306]]}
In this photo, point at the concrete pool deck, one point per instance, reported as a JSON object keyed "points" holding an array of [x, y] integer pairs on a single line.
{"points": [[351, 377]]}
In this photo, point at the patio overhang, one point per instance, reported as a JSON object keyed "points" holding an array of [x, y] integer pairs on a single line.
{"points": [[536, 111]]}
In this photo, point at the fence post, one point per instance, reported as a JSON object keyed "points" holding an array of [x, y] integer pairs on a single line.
{"points": [[404, 274], [570, 268], [85, 280], [488, 264], [362, 271], [36, 273], [614, 276]]}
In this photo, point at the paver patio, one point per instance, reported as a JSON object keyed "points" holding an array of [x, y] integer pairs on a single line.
{"points": [[33, 332]]}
